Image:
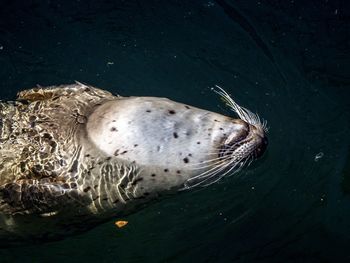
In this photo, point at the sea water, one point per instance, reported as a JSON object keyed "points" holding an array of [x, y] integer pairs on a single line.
{"points": [[286, 60]]}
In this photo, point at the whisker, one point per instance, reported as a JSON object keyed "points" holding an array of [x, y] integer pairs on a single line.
{"points": [[226, 159], [236, 167], [218, 178], [207, 161], [242, 112], [205, 173], [205, 178], [221, 176], [207, 165], [251, 160], [231, 148], [233, 167], [219, 150], [212, 174]]}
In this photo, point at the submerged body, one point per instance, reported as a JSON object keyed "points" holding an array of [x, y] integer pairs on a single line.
{"points": [[73, 156]]}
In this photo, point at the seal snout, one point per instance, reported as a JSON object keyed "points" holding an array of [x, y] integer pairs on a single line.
{"points": [[236, 138], [260, 140], [245, 141]]}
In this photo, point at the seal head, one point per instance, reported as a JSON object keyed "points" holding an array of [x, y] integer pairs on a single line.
{"points": [[178, 146]]}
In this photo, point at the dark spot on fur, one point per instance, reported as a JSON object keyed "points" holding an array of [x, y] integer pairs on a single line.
{"points": [[87, 189], [36, 106], [53, 145], [148, 111], [114, 129], [216, 120], [190, 154], [95, 186], [198, 142], [153, 175], [23, 166], [186, 160], [108, 158], [47, 136], [178, 171], [32, 118], [209, 134], [187, 107], [116, 153], [135, 145], [146, 193], [124, 152], [175, 135], [171, 112], [116, 201], [97, 197], [114, 121], [221, 128], [87, 155], [73, 185], [166, 170], [105, 199]]}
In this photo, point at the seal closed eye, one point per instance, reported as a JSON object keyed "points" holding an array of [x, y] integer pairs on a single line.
{"points": [[76, 153]]}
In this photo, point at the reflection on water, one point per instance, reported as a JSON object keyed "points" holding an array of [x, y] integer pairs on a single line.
{"points": [[287, 61]]}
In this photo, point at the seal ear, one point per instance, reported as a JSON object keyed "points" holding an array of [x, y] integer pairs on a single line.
{"points": [[53, 92]]}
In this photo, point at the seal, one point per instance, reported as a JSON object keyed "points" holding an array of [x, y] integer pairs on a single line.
{"points": [[73, 156]]}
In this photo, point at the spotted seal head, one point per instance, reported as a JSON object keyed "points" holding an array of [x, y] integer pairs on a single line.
{"points": [[74, 153]]}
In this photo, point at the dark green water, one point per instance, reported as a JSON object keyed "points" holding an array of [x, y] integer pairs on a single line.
{"points": [[287, 60]]}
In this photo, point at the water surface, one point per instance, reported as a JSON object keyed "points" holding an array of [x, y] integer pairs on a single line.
{"points": [[287, 60]]}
